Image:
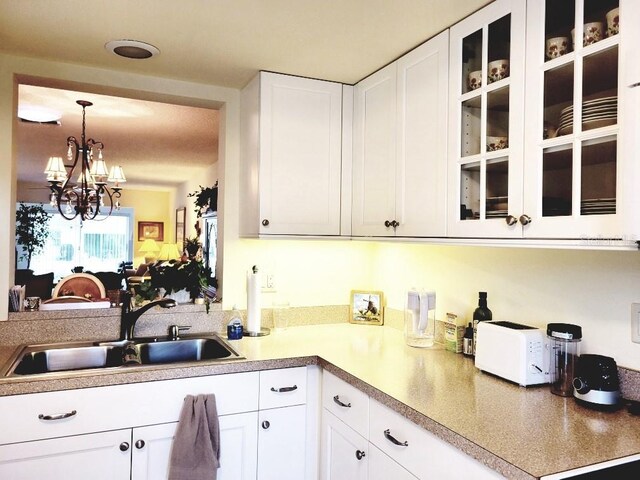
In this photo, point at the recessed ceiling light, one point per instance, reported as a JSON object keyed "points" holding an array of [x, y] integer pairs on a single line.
{"points": [[131, 49]]}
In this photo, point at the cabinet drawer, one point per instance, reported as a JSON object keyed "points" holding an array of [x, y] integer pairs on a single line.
{"points": [[424, 455], [283, 388], [346, 402], [121, 406]]}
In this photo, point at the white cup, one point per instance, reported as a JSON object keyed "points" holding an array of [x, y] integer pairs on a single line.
{"points": [[613, 25], [497, 143], [474, 80], [497, 70], [591, 33], [556, 47], [280, 312]]}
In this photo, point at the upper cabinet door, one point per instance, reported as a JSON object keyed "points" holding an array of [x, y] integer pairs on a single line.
{"points": [[374, 153], [399, 159], [486, 115], [579, 181], [300, 147], [421, 162]]}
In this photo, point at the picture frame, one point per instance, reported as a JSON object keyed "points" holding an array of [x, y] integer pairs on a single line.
{"points": [[181, 214], [366, 307], [151, 230]]}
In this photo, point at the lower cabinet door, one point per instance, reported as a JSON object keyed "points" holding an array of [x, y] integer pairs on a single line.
{"points": [[382, 467], [344, 453], [151, 451], [238, 446], [281, 443], [95, 456]]}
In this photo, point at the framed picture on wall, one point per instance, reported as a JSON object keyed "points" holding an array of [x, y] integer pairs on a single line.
{"points": [[151, 230], [180, 226]]}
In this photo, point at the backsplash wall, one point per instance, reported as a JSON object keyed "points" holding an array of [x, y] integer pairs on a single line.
{"points": [[593, 289]]}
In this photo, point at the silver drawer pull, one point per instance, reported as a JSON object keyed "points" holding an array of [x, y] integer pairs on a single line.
{"points": [[395, 441], [57, 416], [336, 399], [284, 389]]}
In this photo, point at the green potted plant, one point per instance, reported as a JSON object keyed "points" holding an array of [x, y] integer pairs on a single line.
{"points": [[206, 199], [176, 275], [192, 245], [32, 229]]}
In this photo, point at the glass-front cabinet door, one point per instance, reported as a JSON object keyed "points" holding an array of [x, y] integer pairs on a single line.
{"points": [[486, 113], [575, 179]]}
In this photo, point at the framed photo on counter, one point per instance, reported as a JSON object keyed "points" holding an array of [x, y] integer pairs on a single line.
{"points": [[367, 307]]}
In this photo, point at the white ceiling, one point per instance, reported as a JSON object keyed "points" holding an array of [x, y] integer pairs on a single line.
{"points": [[225, 42], [220, 42]]}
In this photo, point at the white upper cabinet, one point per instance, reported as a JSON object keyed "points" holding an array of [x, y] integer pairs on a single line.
{"points": [[374, 151], [580, 159], [486, 115], [291, 156], [399, 161]]}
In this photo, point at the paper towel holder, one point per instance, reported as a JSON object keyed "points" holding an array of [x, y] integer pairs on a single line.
{"points": [[264, 331]]}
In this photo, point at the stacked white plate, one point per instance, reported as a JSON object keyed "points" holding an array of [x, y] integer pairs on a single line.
{"points": [[596, 113], [598, 206]]}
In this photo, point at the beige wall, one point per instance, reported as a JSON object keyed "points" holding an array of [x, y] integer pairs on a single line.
{"points": [[149, 206], [593, 289]]}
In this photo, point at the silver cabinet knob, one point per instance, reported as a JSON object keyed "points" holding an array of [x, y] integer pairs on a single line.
{"points": [[511, 220], [525, 219], [124, 446], [360, 454], [139, 444], [387, 223], [266, 424], [265, 223]]}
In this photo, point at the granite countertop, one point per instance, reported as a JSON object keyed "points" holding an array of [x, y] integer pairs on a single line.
{"points": [[520, 432]]}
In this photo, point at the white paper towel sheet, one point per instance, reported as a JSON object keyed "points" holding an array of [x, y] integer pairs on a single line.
{"points": [[253, 301]]}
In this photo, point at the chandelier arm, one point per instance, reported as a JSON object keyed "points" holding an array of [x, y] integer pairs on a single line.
{"points": [[61, 195]]}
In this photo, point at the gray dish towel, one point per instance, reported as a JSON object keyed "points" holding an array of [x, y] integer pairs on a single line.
{"points": [[195, 453]]}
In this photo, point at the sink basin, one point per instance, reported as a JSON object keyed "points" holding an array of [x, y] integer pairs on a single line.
{"points": [[65, 357], [35, 359], [183, 350]]}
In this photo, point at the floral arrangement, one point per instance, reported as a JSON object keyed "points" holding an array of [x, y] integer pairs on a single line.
{"points": [[206, 199], [175, 275]]}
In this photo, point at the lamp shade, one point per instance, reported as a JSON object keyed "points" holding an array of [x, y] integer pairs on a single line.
{"points": [[117, 175], [169, 251], [149, 246], [55, 169]]}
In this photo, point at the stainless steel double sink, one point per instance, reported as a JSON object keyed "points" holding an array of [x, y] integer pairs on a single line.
{"points": [[77, 356]]}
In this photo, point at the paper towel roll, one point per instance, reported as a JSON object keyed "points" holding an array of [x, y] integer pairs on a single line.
{"points": [[253, 300]]}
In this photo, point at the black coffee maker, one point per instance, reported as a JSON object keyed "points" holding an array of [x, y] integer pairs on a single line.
{"points": [[596, 383]]}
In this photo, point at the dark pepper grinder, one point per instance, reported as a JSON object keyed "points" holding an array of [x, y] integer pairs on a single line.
{"points": [[480, 314]]}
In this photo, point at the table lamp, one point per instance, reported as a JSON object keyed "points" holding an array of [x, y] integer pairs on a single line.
{"points": [[149, 248]]}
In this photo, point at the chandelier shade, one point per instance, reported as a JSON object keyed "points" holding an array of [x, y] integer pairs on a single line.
{"points": [[90, 198]]}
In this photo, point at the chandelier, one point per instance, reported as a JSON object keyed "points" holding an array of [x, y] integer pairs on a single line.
{"points": [[90, 197]]}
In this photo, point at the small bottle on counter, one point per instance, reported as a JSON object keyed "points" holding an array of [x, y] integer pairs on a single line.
{"points": [[480, 314], [234, 327], [467, 341]]}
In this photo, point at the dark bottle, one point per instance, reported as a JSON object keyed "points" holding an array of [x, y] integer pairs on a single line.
{"points": [[467, 341], [480, 314]]}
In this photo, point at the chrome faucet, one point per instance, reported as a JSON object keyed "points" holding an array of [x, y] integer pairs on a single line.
{"points": [[129, 317]]}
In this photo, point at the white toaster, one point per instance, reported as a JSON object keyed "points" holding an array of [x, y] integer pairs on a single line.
{"points": [[515, 352]]}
